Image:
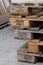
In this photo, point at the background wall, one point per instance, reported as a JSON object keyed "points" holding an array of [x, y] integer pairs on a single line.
{"points": [[7, 3]]}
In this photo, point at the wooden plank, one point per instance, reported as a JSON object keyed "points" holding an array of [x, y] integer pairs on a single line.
{"points": [[15, 16], [26, 58], [32, 4], [40, 13], [31, 17], [33, 46], [19, 23]]}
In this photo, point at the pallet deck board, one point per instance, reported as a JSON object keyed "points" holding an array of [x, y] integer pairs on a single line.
{"points": [[28, 31], [33, 5]]}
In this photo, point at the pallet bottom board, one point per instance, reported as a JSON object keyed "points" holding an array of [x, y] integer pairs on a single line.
{"points": [[27, 58], [22, 38], [30, 59]]}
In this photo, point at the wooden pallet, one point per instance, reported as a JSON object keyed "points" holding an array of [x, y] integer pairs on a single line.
{"points": [[24, 21], [24, 55], [23, 10], [30, 24], [18, 21], [22, 35], [18, 10]]}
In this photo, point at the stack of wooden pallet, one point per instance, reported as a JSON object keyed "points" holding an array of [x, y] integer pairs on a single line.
{"points": [[31, 51], [25, 18], [28, 20]]}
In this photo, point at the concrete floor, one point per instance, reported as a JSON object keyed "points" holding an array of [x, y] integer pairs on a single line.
{"points": [[8, 48]]}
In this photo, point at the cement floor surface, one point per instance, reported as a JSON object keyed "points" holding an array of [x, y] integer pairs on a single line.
{"points": [[8, 48]]}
